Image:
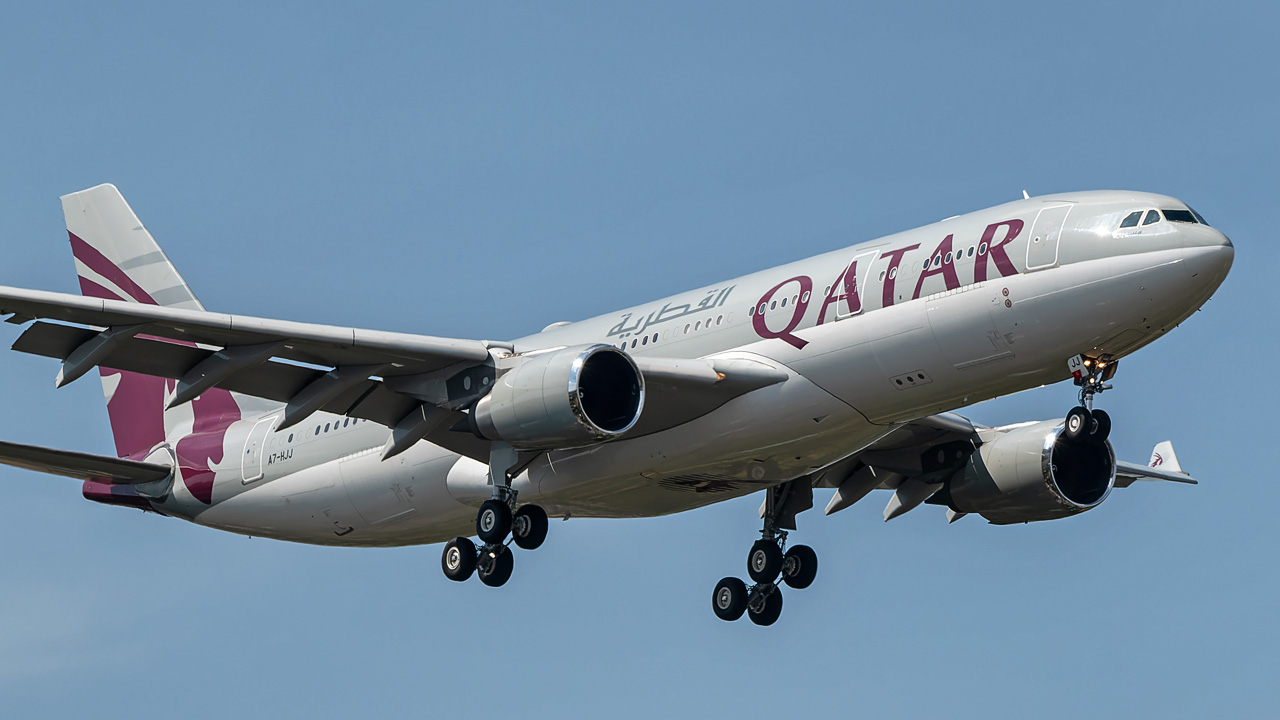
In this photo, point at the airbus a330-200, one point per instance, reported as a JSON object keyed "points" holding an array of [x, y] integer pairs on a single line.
{"points": [[840, 371]]}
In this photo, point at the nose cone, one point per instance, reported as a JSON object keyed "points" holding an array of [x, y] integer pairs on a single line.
{"points": [[1208, 255]]}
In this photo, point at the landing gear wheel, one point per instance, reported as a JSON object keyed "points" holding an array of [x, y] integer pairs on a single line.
{"points": [[1100, 428], [766, 612], [459, 559], [800, 566], [729, 600], [1077, 423], [494, 521], [765, 561], [529, 527], [495, 570]]}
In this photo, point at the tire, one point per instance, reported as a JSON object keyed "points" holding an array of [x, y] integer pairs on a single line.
{"points": [[768, 615], [1077, 423], [729, 600], [1100, 428], [493, 522], [764, 562], [459, 559], [800, 567], [529, 528], [498, 572]]}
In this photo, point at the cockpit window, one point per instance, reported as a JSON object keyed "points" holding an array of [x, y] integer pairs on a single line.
{"points": [[1132, 219], [1182, 216], [1198, 215], [1153, 217]]}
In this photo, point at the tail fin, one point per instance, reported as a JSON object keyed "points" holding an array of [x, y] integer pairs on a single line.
{"points": [[115, 255], [117, 259]]}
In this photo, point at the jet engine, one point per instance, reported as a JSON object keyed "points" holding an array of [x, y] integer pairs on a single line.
{"points": [[564, 398], [1033, 472]]}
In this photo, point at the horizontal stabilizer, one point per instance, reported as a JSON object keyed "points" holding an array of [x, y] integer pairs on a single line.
{"points": [[83, 466]]}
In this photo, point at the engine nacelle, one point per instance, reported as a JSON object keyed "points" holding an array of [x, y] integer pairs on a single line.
{"points": [[565, 398], [1034, 473]]}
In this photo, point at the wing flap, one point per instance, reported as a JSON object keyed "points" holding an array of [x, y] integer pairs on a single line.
{"points": [[82, 466], [52, 340]]}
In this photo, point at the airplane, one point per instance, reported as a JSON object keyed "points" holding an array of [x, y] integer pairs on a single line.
{"points": [[841, 371]]}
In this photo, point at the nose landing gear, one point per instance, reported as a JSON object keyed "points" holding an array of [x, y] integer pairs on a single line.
{"points": [[1091, 374]]}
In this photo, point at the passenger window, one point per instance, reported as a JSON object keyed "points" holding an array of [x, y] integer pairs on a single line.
{"points": [[1153, 217], [1132, 219]]}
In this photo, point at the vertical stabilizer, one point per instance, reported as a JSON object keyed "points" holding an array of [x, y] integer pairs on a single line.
{"points": [[117, 259], [116, 256]]}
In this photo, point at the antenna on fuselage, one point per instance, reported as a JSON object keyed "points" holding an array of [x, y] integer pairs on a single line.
{"points": [[1025, 196]]}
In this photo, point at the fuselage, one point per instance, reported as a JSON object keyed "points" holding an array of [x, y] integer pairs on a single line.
{"points": [[924, 321]]}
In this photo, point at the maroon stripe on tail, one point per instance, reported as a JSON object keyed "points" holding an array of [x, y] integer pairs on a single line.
{"points": [[136, 407], [99, 263], [215, 411]]}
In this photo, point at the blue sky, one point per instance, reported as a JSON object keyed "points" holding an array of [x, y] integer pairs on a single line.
{"points": [[481, 170]]}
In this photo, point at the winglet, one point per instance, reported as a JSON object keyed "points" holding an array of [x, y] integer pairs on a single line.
{"points": [[1163, 458]]}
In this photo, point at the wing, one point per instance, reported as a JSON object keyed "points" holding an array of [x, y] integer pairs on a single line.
{"points": [[916, 458], [82, 466], [417, 385], [380, 376], [680, 390], [1163, 465]]}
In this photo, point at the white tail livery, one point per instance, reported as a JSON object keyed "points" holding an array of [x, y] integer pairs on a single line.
{"points": [[838, 372]]}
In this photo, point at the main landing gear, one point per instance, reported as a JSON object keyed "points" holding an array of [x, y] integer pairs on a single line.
{"points": [[1091, 374], [499, 517], [767, 564]]}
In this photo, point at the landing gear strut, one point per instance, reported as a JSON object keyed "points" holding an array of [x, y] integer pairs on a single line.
{"points": [[767, 563], [1091, 375], [499, 517]]}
